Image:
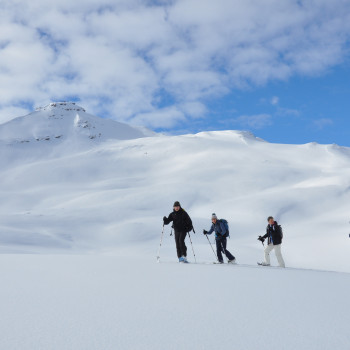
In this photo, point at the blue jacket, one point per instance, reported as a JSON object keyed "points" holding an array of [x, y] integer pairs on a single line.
{"points": [[219, 229]]}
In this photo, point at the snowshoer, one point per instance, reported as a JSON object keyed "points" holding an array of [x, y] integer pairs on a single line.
{"points": [[182, 224], [221, 234], [274, 235]]}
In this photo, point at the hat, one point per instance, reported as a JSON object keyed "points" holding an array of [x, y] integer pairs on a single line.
{"points": [[177, 204], [213, 216]]}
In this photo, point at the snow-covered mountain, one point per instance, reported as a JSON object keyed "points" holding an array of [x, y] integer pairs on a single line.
{"points": [[95, 192], [102, 196], [60, 121]]}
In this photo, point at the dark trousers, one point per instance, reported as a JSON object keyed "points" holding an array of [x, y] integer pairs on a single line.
{"points": [[180, 244], [221, 248]]}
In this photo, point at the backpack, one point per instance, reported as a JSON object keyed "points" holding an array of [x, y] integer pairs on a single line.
{"points": [[224, 221]]}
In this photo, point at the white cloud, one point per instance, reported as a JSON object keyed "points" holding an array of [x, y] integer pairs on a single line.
{"points": [[287, 112], [258, 121], [128, 58], [322, 123], [194, 109], [161, 117], [7, 113], [275, 100]]}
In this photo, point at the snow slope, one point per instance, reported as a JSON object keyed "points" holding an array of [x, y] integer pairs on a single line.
{"points": [[108, 302], [66, 121], [91, 210], [105, 196]]}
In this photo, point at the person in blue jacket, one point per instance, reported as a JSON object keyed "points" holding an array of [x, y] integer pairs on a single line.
{"points": [[221, 234]]}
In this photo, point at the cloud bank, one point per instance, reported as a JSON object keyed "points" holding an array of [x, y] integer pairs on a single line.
{"points": [[157, 63]]}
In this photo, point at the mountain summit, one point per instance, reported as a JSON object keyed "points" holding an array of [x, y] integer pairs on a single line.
{"points": [[66, 120]]}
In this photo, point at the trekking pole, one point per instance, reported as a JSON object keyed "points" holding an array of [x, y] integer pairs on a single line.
{"points": [[192, 247], [212, 247], [161, 240]]}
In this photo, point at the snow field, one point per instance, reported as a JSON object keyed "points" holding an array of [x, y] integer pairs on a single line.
{"points": [[80, 224], [109, 302], [114, 194]]}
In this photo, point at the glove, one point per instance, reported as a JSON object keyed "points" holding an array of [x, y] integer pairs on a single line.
{"points": [[205, 232], [261, 239], [164, 218]]}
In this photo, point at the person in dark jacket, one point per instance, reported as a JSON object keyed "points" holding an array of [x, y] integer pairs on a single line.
{"points": [[182, 224], [274, 238], [221, 234]]}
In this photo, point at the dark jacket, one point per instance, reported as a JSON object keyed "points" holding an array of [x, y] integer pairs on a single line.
{"points": [[274, 232], [181, 221], [219, 228]]}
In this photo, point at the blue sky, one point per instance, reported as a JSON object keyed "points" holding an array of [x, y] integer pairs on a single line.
{"points": [[299, 110], [279, 69]]}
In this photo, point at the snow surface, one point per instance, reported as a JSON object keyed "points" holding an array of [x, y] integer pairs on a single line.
{"points": [[80, 224], [112, 302]]}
